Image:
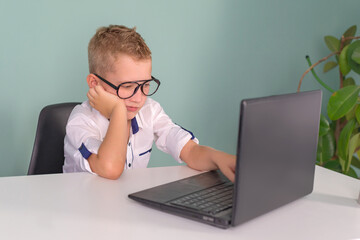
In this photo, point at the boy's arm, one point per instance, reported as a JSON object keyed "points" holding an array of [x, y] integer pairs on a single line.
{"points": [[204, 158], [110, 160]]}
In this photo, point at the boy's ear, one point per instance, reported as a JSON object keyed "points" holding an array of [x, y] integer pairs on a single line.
{"points": [[91, 80]]}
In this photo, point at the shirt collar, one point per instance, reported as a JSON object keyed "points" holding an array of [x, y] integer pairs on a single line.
{"points": [[136, 123]]}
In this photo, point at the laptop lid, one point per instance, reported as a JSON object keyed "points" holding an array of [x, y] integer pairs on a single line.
{"points": [[276, 152]]}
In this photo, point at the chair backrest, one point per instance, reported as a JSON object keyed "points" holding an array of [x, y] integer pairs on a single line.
{"points": [[48, 151]]}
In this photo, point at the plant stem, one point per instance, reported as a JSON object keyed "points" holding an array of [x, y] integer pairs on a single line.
{"points": [[343, 39], [348, 38], [341, 79], [337, 135], [311, 68], [340, 73], [340, 124]]}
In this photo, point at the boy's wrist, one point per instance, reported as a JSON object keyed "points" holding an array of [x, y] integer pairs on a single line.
{"points": [[215, 157], [118, 109]]}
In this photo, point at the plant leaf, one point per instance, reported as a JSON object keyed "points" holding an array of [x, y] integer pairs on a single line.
{"points": [[344, 139], [332, 43], [329, 65], [324, 125], [342, 164], [348, 82], [319, 152], [356, 55], [350, 32], [333, 165], [349, 53], [326, 147], [319, 159], [353, 143], [357, 114], [351, 113], [355, 161], [343, 63], [333, 125], [351, 173], [342, 101]]}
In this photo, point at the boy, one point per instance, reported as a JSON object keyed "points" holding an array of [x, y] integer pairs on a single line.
{"points": [[115, 129]]}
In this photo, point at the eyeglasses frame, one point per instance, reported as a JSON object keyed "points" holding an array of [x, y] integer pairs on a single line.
{"points": [[135, 90]]}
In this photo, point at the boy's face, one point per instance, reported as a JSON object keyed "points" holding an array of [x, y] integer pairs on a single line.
{"points": [[127, 69]]}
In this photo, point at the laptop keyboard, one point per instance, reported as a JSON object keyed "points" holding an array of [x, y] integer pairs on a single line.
{"points": [[210, 200]]}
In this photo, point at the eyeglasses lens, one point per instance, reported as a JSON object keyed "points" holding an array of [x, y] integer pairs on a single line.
{"points": [[128, 89]]}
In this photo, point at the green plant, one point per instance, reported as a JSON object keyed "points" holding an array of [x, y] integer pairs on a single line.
{"points": [[339, 135]]}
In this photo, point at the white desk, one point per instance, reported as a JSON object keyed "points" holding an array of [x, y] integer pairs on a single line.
{"points": [[84, 206]]}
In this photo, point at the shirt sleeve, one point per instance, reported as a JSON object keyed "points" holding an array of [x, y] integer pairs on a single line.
{"points": [[82, 136], [170, 137]]}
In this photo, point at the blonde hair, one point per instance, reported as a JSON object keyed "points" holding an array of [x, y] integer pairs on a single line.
{"points": [[108, 42]]}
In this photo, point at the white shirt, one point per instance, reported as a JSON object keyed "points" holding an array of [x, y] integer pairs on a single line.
{"points": [[86, 129]]}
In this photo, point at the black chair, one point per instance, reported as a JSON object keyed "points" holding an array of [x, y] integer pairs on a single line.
{"points": [[48, 151]]}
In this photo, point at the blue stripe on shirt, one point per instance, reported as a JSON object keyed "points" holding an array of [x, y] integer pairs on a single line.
{"points": [[192, 135], [84, 151], [148, 151]]}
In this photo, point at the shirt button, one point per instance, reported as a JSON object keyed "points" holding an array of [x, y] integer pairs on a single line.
{"points": [[129, 164]]}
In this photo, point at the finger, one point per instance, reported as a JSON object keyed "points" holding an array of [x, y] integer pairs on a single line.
{"points": [[90, 97], [92, 92], [92, 104], [99, 89], [229, 174]]}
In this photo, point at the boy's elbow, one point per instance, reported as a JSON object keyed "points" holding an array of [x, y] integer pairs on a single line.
{"points": [[110, 169], [115, 173]]}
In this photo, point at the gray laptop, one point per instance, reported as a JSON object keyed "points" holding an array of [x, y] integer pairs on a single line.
{"points": [[276, 156]]}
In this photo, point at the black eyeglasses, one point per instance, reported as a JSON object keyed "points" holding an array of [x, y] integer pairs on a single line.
{"points": [[128, 89]]}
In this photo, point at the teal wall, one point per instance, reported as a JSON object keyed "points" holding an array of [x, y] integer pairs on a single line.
{"points": [[209, 54]]}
